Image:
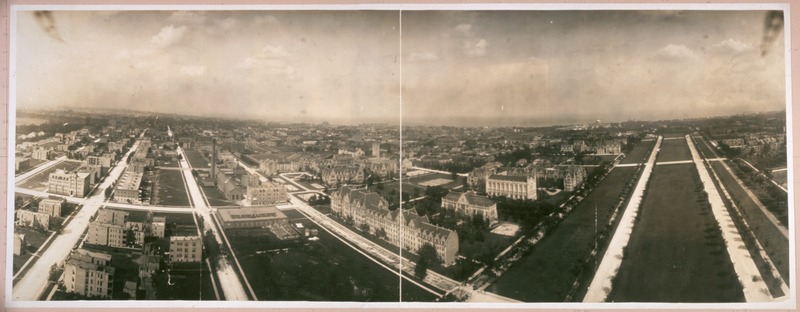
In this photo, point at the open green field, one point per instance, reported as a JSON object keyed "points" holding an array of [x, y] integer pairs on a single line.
{"points": [[676, 252], [781, 177], [674, 150], [39, 181], [196, 159], [435, 179], [547, 274], [170, 189], [325, 270], [188, 282], [775, 244], [639, 153]]}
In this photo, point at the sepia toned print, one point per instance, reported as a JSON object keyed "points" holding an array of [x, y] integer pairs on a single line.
{"points": [[436, 156]]}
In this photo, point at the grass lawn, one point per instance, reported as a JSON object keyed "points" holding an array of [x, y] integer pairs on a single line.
{"points": [[216, 197], [196, 159], [639, 152], [676, 252], [325, 270], [434, 179], [781, 177], [39, 181], [775, 244], [170, 189], [674, 150], [548, 272], [34, 239], [186, 279]]}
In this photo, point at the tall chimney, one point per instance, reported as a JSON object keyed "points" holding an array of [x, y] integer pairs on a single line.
{"points": [[213, 159]]}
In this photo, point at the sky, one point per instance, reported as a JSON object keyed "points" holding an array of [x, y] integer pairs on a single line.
{"points": [[524, 68]]}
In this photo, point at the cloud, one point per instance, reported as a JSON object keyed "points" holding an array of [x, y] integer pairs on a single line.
{"points": [[733, 46], [193, 71], [475, 48], [676, 52], [226, 24], [463, 28], [188, 17], [168, 36], [269, 56], [265, 20], [422, 56]]}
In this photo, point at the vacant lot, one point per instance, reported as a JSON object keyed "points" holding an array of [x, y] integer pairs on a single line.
{"points": [[639, 153], [170, 189], [674, 150], [325, 270], [676, 252], [39, 181], [775, 244], [547, 274]]}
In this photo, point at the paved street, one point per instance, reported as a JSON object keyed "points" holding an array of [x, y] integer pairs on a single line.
{"points": [[229, 281], [754, 288], [391, 258], [31, 285], [601, 283]]}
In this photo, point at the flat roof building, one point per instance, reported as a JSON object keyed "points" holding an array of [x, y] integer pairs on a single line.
{"points": [[250, 217]]}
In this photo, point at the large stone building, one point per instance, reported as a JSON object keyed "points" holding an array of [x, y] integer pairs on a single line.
{"points": [[342, 175], [185, 248], [470, 204], [267, 193], [69, 183], [573, 177], [250, 217], [52, 206], [511, 186], [89, 273], [477, 177], [407, 229]]}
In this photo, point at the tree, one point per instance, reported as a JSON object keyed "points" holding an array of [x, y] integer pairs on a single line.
{"points": [[427, 255], [211, 248]]}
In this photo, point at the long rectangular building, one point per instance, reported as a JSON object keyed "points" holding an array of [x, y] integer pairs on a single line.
{"points": [[407, 229], [250, 217], [470, 204]]}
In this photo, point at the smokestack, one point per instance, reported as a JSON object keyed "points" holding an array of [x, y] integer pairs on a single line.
{"points": [[213, 159]]}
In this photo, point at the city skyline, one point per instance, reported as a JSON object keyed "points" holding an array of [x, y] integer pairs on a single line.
{"points": [[522, 68]]}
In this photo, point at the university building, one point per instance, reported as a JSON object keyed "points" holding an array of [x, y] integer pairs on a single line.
{"points": [[267, 193], [406, 229], [470, 204], [511, 186], [89, 273]]}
